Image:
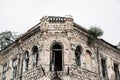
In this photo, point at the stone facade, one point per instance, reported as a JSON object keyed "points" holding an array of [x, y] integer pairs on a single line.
{"points": [[57, 49]]}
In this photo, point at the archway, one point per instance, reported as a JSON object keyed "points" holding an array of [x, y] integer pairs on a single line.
{"points": [[56, 62]]}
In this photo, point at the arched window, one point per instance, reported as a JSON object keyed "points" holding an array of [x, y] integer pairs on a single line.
{"points": [[78, 55], [56, 61], [35, 56], [26, 61], [116, 70], [88, 60], [14, 67]]}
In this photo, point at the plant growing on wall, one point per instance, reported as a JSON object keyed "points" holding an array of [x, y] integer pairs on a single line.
{"points": [[94, 32]]}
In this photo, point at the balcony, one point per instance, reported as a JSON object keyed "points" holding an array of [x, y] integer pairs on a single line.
{"points": [[82, 74], [73, 72]]}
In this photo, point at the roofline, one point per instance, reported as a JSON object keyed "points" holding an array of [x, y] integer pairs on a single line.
{"points": [[80, 27], [85, 30], [75, 24], [113, 46], [22, 36], [31, 29]]}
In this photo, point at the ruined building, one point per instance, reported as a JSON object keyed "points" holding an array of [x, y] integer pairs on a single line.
{"points": [[57, 49]]}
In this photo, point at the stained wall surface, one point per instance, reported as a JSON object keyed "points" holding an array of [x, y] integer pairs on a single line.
{"points": [[52, 48]]}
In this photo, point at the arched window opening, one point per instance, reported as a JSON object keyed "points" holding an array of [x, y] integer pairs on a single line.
{"points": [[35, 56], [116, 70], [78, 55], [4, 71], [104, 67], [88, 60], [26, 61], [14, 68], [56, 57]]}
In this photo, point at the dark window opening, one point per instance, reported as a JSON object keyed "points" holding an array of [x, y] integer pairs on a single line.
{"points": [[116, 69], [35, 56], [26, 60], [15, 62], [104, 67], [77, 55], [27, 64], [56, 61], [57, 46], [4, 71], [14, 72]]}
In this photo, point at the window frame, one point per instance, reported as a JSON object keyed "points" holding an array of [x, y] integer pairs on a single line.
{"points": [[4, 71], [78, 53], [90, 54], [104, 67], [26, 60], [35, 56], [52, 55], [14, 67], [116, 71]]}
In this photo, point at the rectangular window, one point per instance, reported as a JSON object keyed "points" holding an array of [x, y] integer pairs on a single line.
{"points": [[4, 71], [15, 62], [116, 69], [104, 67]]}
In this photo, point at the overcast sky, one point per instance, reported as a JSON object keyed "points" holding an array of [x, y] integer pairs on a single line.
{"points": [[21, 15]]}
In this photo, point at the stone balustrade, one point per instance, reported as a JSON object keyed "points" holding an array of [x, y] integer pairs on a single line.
{"points": [[33, 74], [82, 74], [73, 72]]}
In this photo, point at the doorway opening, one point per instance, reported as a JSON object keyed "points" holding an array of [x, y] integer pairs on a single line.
{"points": [[56, 57]]}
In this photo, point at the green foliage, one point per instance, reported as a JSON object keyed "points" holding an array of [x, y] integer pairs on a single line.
{"points": [[6, 38], [94, 32]]}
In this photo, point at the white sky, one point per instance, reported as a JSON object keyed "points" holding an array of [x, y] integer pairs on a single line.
{"points": [[21, 15]]}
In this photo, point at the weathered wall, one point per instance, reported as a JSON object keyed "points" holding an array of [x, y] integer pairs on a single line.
{"points": [[65, 32], [112, 56]]}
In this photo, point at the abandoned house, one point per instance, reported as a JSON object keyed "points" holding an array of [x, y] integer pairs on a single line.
{"points": [[56, 49]]}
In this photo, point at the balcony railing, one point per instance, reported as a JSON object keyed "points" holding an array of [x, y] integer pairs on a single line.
{"points": [[33, 74], [72, 72], [83, 74]]}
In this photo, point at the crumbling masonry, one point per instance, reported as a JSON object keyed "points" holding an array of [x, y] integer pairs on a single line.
{"points": [[56, 49]]}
